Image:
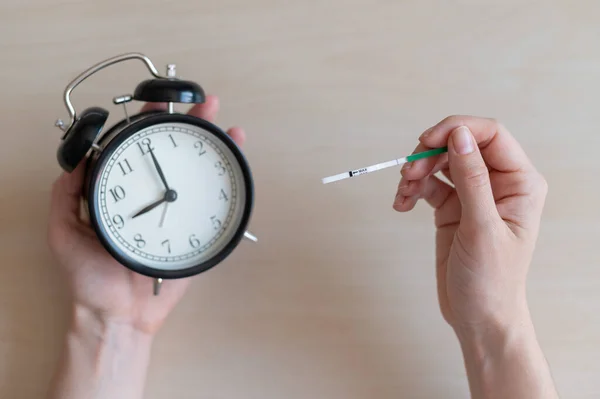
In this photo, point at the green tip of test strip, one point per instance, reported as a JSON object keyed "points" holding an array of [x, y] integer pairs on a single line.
{"points": [[426, 154]]}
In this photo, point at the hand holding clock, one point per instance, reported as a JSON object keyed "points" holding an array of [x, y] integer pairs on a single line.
{"points": [[111, 305]]}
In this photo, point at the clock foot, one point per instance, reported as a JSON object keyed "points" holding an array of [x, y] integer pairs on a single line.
{"points": [[157, 285], [250, 236]]}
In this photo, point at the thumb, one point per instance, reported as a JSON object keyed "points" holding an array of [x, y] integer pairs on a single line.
{"points": [[471, 177]]}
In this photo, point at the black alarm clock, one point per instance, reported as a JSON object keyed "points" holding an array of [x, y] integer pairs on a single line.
{"points": [[169, 195]]}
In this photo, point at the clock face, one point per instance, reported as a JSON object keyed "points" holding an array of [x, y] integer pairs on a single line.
{"points": [[179, 220]]}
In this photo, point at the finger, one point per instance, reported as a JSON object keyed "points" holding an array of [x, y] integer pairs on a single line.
{"points": [[497, 146], [440, 165], [407, 193], [519, 199], [471, 177], [409, 188], [65, 197], [425, 167], [435, 192], [238, 135], [447, 174], [207, 110], [443, 198], [405, 204], [506, 185], [420, 168], [154, 107], [449, 212]]}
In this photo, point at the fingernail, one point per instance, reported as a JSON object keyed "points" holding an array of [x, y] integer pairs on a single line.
{"points": [[463, 141], [426, 132], [407, 166], [398, 199]]}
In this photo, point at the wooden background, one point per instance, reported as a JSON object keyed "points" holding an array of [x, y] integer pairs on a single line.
{"points": [[338, 299]]}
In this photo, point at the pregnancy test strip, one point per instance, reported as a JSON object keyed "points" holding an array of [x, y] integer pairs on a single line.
{"points": [[384, 165]]}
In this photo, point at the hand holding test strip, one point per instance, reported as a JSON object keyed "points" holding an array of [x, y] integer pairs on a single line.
{"points": [[486, 219], [384, 165]]}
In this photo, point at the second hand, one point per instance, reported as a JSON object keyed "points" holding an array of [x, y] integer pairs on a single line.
{"points": [[162, 217]]}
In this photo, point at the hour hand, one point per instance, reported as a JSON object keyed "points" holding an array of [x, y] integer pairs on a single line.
{"points": [[150, 207], [170, 196]]}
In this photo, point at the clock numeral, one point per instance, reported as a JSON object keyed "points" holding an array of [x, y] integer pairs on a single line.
{"points": [[118, 193], [172, 140], [118, 221], [216, 222], [223, 196], [125, 167], [168, 244], [221, 168], [200, 146], [194, 242], [139, 241], [145, 145]]}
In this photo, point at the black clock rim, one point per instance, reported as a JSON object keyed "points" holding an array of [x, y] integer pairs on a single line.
{"points": [[94, 208]]}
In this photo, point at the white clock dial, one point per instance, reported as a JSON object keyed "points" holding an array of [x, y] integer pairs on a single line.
{"points": [[198, 223]]}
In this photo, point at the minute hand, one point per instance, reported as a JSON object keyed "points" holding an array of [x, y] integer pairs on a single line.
{"points": [[159, 169]]}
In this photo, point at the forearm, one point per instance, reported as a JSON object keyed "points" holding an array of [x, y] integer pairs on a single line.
{"points": [[506, 363], [101, 360]]}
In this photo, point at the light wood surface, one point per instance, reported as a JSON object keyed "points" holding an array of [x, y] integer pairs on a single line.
{"points": [[338, 298]]}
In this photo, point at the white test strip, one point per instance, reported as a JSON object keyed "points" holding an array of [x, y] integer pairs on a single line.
{"points": [[362, 171]]}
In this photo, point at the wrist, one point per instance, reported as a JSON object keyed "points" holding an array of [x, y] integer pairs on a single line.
{"points": [[505, 360], [494, 331], [485, 325], [106, 358], [492, 342], [114, 316], [86, 323]]}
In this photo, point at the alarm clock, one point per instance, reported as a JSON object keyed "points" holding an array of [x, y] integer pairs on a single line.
{"points": [[169, 195]]}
